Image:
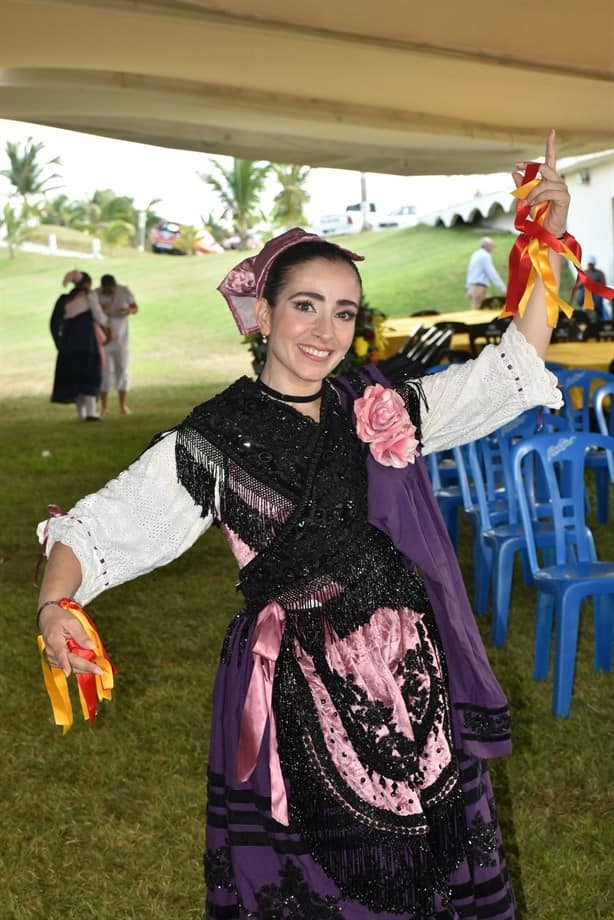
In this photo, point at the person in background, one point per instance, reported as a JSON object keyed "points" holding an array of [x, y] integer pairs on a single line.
{"points": [[595, 274], [481, 272], [118, 303], [79, 329]]}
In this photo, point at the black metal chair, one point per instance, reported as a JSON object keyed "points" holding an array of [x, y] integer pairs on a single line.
{"points": [[482, 334], [601, 330], [428, 351], [567, 330], [493, 303]]}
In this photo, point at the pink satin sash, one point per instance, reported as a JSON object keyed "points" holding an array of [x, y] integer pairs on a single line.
{"points": [[258, 708]]}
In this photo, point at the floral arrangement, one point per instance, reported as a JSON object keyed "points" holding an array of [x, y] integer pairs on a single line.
{"points": [[368, 338]]}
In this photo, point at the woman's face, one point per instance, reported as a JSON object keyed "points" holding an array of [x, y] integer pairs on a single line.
{"points": [[311, 326]]}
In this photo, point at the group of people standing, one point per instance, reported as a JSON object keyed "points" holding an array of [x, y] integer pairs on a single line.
{"points": [[90, 331]]}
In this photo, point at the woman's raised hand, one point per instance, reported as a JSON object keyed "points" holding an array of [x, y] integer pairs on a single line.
{"points": [[551, 188]]}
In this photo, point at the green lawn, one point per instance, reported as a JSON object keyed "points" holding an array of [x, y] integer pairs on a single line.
{"points": [[108, 823], [184, 332]]}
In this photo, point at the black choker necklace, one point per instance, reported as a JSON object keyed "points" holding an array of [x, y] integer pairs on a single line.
{"points": [[284, 397]]}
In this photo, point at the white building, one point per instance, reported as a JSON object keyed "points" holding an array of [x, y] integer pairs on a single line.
{"points": [[591, 219]]}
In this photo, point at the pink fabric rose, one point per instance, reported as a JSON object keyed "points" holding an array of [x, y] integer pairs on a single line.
{"points": [[382, 421]]}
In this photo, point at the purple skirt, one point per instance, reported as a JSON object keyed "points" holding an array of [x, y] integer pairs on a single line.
{"points": [[258, 868]]}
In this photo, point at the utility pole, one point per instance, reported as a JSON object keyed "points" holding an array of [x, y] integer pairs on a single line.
{"points": [[364, 204]]}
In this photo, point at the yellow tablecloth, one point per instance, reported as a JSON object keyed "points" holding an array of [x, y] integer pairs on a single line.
{"points": [[595, 355]]}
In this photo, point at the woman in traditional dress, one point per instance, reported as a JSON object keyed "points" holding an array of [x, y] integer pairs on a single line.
{"points": [[354, 705], [78, 326]]}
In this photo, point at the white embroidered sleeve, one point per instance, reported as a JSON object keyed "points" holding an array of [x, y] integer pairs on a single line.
{"points": [[468, 401], [141, 520]]}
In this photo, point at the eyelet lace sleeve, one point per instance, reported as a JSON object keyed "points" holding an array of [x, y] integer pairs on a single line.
{"points": [[141, 520], [468, 401]]}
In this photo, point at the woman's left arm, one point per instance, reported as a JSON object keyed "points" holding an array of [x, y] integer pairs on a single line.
{"points": [[552, 188]]}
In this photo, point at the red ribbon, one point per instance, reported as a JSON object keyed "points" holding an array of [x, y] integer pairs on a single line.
{"points": [[258, 708], [92, 687], [87, 682], [521, 266]]}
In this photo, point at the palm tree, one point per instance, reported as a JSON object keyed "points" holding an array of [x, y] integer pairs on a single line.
{"points": [[188, 238], [106, 215], [58, 211], [217, 231], [239, 189], [16, 226], [290, 201], [29, 177]]}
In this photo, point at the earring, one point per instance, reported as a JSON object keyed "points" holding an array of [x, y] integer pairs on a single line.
{"points": [[265, 339]]}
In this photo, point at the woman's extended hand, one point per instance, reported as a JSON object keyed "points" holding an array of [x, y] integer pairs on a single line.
{"points": [[551, 188], [57, 626]]}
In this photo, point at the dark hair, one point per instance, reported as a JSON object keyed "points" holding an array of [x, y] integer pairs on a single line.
{"points": [[80, 285], [298, 255], [108, 281]]}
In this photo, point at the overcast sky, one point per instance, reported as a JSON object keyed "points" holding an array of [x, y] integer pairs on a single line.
{"points": [[145, 172]]}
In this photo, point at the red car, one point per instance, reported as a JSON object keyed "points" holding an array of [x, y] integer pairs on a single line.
{"points": [[164, 237]]}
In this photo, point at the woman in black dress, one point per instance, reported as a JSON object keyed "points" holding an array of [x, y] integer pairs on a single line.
{"points": [[78, 326]]}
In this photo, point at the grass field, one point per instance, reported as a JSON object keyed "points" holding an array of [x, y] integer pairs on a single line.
{"points": [[184, 333], [108, 823]]}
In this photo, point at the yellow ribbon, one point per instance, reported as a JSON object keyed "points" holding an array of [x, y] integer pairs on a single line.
{"points": [[92, 687], [536, 250]]}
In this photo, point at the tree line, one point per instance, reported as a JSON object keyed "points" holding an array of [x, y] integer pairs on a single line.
{"points": [[114, 219]]}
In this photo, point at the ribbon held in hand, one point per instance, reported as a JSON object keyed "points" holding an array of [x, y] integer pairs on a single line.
{"points": [[92, 687], [529, 258]]}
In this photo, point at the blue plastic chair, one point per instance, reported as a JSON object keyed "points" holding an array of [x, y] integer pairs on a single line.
{"points": [[605, 423], [555, 367], [500, 533], [507, 538], [569, 579], [579, 388], [491, 504], [444, 481]]}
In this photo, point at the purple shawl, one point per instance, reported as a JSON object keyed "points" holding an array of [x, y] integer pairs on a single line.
{"points": [[402, 505]]}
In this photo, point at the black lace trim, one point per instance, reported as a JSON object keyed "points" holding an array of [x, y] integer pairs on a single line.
{"points": [[359, 845], [482, 838], [293, 899], [481, 724], [218, 869], [290, 899]]}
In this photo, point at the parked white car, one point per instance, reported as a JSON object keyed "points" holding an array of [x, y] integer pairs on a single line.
{"points": [[405, 216], [338, 224], [348, 221]]}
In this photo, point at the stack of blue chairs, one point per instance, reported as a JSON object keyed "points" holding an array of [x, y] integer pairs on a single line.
{"points": [[570, 573]]}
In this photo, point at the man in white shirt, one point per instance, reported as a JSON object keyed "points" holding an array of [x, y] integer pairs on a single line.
{"points": [[481, 272], [118, 303]]}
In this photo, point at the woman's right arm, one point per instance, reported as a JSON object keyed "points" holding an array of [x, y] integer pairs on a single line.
{"points": [[139, 521]]}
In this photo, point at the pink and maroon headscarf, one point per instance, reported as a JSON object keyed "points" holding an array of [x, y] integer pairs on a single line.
{"points": [[244, 284]]}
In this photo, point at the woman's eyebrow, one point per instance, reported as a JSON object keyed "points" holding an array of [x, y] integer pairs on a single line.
{"points": [[343, 302]]}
